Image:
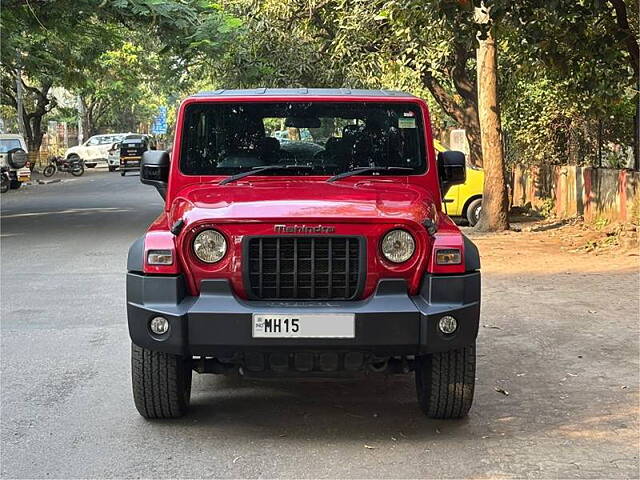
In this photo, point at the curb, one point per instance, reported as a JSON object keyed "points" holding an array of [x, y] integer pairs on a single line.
{"points": [[47, 182]]}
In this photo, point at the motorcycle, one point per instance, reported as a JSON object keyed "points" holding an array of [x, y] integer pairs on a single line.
{"points": [[74, 166]]}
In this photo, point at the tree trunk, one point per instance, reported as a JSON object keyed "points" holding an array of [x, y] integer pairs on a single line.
{"points": [[34, 141], [495, 201], [472, 132], [90, 115], [636, 133], [20, 106]]}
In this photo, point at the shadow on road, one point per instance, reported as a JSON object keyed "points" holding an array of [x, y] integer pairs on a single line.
{"points": [[369, 407]]}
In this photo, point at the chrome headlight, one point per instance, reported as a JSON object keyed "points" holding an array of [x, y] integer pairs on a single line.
{"points": [[398, 246], [210, 246]]}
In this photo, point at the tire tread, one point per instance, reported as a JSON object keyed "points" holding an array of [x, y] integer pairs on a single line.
{"points": [[159, 382], [445, 382]]}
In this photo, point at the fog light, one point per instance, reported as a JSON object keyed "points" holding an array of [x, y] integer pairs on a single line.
{"points": [[447, 325], [159, 325]]}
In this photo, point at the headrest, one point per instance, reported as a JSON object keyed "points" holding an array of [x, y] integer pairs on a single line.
{"points": [[268, 145], [332, 144]]}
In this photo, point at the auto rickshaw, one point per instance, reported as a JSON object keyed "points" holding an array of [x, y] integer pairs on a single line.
{"points": [[131, 149]]}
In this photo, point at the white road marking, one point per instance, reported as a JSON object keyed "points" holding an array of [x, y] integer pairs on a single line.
{"points": [[73, 210]]}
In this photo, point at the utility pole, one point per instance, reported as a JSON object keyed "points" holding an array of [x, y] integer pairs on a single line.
{"points": [[80, 120]]}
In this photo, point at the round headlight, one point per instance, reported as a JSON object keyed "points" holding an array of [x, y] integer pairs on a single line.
{"points": [[398, 246], [210, 246]]}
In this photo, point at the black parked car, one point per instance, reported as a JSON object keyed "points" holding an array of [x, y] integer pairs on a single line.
{"points": [[131, 149]]}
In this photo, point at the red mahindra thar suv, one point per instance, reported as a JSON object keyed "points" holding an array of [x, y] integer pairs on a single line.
{"points": [[303, 235]]}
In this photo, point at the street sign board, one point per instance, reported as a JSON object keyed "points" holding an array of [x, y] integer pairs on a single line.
{"points": [[159, 126]]}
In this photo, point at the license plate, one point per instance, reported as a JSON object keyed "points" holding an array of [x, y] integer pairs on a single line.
{"points": [[306, 325]]}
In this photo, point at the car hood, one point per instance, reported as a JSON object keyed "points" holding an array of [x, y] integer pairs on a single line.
{"points": [[378, 200]]}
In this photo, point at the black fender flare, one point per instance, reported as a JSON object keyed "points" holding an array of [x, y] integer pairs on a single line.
{"points": [[471, 255], [135, 259]]}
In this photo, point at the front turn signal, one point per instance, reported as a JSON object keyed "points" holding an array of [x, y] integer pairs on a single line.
{"points": [[160, 257], [448, 256]]}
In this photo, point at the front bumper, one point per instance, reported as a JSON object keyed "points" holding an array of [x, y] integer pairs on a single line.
{"points": [[217, 323], [130, 163]]}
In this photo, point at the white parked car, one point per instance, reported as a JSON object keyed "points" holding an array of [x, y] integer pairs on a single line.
{"points": [[95, 150], [113, 159], [16, 167]]}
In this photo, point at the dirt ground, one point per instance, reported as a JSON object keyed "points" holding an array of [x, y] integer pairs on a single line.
{"points": [[560, 246], [562, 302]]}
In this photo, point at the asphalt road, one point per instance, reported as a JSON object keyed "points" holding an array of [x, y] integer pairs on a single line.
{"points": [[67, 410]]}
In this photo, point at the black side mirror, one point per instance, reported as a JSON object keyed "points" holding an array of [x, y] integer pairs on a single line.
{"points": [[154, 170], [451, 169]]}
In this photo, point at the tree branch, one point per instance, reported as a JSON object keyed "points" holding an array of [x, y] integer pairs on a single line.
{"points": [[443, 98], [465, 87], [8, 97]]}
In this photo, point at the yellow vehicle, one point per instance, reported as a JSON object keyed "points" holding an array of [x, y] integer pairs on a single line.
{"points": [[464, 200]]}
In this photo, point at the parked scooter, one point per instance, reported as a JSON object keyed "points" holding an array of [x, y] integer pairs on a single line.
{"points": [[74, 166]]}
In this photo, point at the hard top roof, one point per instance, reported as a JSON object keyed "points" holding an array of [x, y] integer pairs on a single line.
{"points": [[100, 135], [303, 92], [138, 139]]}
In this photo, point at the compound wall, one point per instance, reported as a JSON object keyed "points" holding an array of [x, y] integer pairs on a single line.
{"points": [[595, 193]]}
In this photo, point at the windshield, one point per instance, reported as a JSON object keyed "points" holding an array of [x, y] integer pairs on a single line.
{"points": [[229, 138], [104, 139], [7, 144]]}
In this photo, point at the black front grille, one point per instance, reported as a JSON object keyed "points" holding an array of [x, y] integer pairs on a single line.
{"points": [[304, 268]]}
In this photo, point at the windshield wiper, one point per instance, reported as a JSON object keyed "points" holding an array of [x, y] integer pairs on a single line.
{"points": [[257, 170], [358, 171]]}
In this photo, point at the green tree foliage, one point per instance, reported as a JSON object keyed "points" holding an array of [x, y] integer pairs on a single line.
{"points": [[568, 69], [568, 83], [65, 43], [118, 92], [564, 65], [355, 43]]}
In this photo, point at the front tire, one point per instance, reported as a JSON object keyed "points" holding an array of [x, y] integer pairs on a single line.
{"points": [[445, 382], [473, 212], [112, 168], [122, 172], [15, 184], [49, 170], [77, 171], [161, 383]]}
